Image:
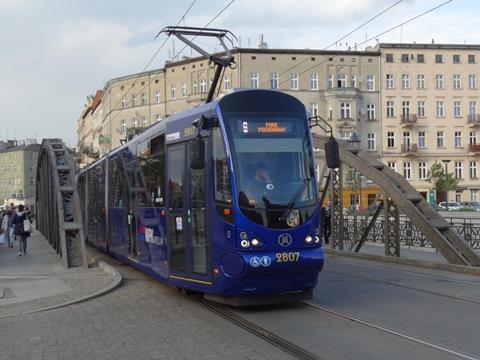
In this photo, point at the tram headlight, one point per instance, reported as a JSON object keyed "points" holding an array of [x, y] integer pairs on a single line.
{"points": [[256, 242], [243, 235], [308, 239], [244, 243], [317, 239]]}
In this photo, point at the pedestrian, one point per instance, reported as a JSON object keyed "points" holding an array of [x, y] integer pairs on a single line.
{"points": [[7, 228], [21, 223], [326, 219]]}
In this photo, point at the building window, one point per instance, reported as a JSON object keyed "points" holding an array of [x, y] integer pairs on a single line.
{"points": [[330, 81], [173, 91], [473, 169], [123, 126], [293, 81], [421, 109], [390, 81], [371, 141], [313, 109], [472, 81], [474, 195], [420, 81], [421, 140], [390, 109], [353, 81], [144, 98], [456, 59], [184, 89], [341, 80], [134, 122], [254, 80], [370, 82], [144, 122], [123, 103], [392, 165], [345, 135], [405, 81], [203, 86], [457, 82], [458, 139], [390, 139], [406, 139], [440, 109], [274, 81], [458, 169], [439, 82], [422, 170], [313, 82], [473, 137], [457, 109], [440, 139], [157, 97], [370, 111], [227, 84], [405, 58], [407, 170], [158, 117], [420, 58], [389, 58], [472, 109], [406, 109], [438, 59], [471, 59], [134, 100], [194, 86], [345, 110]]}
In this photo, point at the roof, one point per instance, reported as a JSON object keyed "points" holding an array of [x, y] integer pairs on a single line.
{"points": [[32, 147], [429, 46]]}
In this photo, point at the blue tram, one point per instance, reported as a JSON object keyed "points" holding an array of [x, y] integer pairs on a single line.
{"points": [[219, 199]]}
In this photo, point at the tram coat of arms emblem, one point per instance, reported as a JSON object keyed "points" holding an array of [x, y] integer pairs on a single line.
{"points": [[293, 218]]}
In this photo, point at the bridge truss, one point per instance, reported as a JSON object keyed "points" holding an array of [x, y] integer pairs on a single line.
{"points": [[57, 203]]}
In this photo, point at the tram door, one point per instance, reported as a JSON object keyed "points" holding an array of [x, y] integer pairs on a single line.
{"points": [[187, 238]]}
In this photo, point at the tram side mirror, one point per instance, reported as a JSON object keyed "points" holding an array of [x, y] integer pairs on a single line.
{"points": [[332, 154], [197, 154]]}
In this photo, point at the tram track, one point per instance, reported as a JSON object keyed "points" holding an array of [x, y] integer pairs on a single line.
{"points": [[450, 351], [391, 283], [256, 330]]}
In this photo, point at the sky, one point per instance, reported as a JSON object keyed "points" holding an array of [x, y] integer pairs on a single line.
{"points": [[54, 53]]}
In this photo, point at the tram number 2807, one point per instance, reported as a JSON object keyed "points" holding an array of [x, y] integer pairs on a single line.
{"points": [[287, 256]]}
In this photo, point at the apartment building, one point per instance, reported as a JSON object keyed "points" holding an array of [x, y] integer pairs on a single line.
{"points": [[18, 167], [429, 99], [340, 86]]}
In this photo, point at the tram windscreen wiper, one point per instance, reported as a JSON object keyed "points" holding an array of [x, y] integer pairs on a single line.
{"points": [[294, 198]]}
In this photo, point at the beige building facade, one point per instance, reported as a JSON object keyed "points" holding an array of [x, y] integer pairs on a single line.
{"points": [[18, 167], [430, 105]]}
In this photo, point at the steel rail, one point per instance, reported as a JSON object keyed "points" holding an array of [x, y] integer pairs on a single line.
{"points": [[450, 351], [256, 330]]}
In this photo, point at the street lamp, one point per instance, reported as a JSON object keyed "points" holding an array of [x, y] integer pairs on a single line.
{"points": [[354, 143], [446, 183]]}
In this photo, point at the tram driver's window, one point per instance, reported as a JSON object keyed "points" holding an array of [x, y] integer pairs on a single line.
{"points": [[223, 190]]}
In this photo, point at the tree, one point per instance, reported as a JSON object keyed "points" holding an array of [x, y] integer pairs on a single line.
{"points": [[436, 176]]}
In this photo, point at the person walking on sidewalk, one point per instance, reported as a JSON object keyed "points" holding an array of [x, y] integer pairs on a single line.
{"points": [[7, 228], [21, 223]]}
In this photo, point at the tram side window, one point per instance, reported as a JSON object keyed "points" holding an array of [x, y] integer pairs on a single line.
{"points": [[151, 176], [223, 189], [118, 196]]}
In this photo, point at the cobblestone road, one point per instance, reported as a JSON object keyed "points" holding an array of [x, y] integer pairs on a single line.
{"points": [[143, 319]]}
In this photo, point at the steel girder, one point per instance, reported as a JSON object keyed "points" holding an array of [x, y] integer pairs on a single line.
{"points": [[57, 203]]}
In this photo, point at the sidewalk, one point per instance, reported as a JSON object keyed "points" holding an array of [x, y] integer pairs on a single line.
{"points": [[38, 281]]}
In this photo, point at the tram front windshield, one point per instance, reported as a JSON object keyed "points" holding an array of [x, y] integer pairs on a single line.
{"points": [[273, 164]]}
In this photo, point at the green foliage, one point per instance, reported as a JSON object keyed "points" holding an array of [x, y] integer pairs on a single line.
{"points": [[436, 176]]}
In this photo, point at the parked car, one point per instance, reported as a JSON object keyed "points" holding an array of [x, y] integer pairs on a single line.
{"points": [[472, 204], [451, 205]]}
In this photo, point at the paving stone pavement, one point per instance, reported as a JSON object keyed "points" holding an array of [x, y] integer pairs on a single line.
{"points": [[38, 280], [142, 319]]}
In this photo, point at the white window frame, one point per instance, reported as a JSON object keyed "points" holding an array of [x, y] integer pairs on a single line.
{"points": [[371, 143], [274, 81], [390, 108], [330, 81], [472, 81], [439, 82], [457, 109], [227, 84], [313, 82], [203, 86], [421, 109], [473, 169], [184, 90], [157, 96], [392, 165], [345, 110], [144, 122], [473, 137], [354, 81], [420, 81], [473, 194], [390, 139], [254, 80], [422, 140], [457, 82], [314, 109], [440, 109], [123, 103], [370, 82], [371, 112], [134, 100], [390, 81], [458, 169], [422, 170], [173, 91], [440, 139], [407, 170], [405, 81], [294, 81], [341, 80], [458, 139]]}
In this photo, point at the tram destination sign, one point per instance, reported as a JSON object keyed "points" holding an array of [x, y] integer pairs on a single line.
{"points": [[266, 127]]}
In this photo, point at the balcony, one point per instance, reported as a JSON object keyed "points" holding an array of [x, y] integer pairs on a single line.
{"points": [[474, 120], [408, 120], [342, 91], [474, 148], [409, 149]]}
